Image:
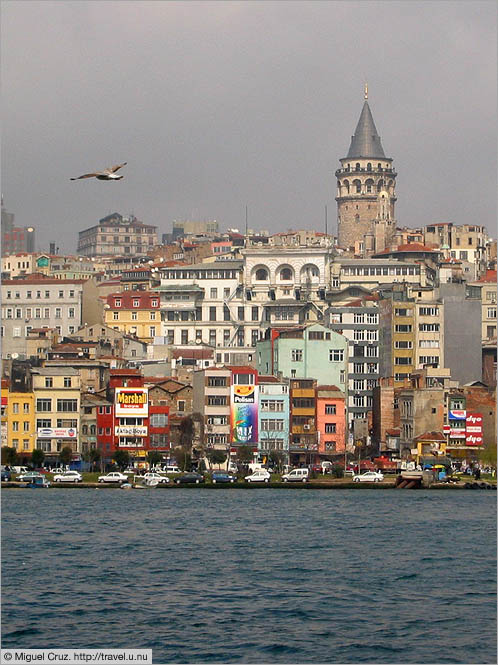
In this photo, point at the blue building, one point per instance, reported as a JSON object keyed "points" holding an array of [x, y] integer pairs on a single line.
{"points": [[273, 416]]}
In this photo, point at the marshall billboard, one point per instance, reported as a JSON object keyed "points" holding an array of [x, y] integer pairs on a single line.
{"points": [[132, 402], [244, 414]]}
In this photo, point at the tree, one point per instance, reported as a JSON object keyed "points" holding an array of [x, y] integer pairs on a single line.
{"points": [[92, 456], [216, 456], [154, 457], [186, 432], [122, 458], [488, 453], [66, 455], [9, 456], [183, 457], [276, 458], [37, 457], [244, 454]]}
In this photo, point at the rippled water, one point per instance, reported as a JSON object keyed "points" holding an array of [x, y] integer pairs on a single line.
{"points": [[259, 576]]}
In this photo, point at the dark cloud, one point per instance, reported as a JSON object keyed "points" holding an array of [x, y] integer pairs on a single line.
{"points": [[215, 105]]}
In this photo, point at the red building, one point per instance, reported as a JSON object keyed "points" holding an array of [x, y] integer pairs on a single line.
{"points": [[128, 421]]}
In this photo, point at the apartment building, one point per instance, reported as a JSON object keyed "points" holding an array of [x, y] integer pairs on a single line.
{"points": [[485, 289], [303, 443], [303, 352], [274, 411], [117, 235], [135, 313], [57, 410], [331, 421], [372, 273], [359, 323], [467, 242], [19, 421], [429, 334], [38, 302]]}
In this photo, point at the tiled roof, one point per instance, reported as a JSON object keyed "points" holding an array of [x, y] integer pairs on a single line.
{"points": [[430, 436]]}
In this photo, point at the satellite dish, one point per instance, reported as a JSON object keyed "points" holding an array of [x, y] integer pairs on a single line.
{"points": [[198, 341], [15, 355]]}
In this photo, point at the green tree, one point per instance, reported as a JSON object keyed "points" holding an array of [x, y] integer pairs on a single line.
{"points": [[487, 455], [276, 458], [244, 454], [66, 455], [186, 432], [37, 457], [183, 457], [154, 457], [9, 455], [92, 456], [216, 456], [122, 458]]}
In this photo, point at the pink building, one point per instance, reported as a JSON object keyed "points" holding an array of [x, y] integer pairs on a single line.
{"points": [[330, 420]]}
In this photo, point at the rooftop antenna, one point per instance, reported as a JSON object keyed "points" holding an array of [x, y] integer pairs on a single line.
{"points": [[326, 232], [366, 90], [246, 221]]}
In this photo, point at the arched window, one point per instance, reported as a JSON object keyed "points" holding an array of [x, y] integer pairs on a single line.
{"points": [[356, 218], [84, 429], [369, 166], [379, 166], [261, 274], [93, 429], [380, 185], [369, 185], [286, 273], [357, 167], [346, 185], [391, 186], [357, 185]]}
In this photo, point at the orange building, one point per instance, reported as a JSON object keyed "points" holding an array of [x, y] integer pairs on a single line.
{"points": [[330, 420]]}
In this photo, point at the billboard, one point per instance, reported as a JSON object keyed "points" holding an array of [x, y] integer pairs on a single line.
{"points": [[131, 402], [474, 429], [457, 414], [244, 414], [56, 433], [130, 430]]}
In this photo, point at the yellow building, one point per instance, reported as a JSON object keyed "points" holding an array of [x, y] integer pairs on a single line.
{"points": [[57, 408], [134, 313], [21, 422], [403, 340]]}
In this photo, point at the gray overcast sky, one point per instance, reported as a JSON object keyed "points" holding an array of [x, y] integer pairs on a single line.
{"points": [[215, 105]]}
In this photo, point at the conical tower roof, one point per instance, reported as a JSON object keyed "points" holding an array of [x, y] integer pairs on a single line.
{"points": [[366, 142]]}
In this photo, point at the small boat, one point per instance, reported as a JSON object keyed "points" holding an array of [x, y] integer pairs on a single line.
{"points": [[38, 483]]}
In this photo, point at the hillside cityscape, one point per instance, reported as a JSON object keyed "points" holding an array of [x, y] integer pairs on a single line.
{"points": [[301, 346]]}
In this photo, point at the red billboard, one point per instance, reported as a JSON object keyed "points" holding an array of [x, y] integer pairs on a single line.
{"points": [[473, 427]]}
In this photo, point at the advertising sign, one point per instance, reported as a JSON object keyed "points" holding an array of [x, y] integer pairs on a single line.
{"points": [[446, 429], [457, 414], [132, 402], [474, 429], [456, 433], [56, 433], [130, 430], [244, 414]]}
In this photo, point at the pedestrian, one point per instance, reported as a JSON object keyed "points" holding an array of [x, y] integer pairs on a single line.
{"points": [[477, 473]]}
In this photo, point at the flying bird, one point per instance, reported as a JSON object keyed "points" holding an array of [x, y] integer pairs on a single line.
{"points": [[106, 174]]}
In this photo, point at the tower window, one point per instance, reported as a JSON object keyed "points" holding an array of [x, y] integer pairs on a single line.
{"points": [[369, 166], [358, 189], [357, 167]]}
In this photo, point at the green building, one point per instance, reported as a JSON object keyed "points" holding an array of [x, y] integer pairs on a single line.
{"points": [[313, 351]]}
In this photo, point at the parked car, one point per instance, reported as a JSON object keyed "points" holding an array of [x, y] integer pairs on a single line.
{"points": [[369, 477], [26, 477], [19, 469], [326, 466], [152, 475], [316, 468], [6, 475], [29, 476], [113, 477], [258, 476], [222, 477], [302, 475], [68, 477], [190, 477], [171, 469]]}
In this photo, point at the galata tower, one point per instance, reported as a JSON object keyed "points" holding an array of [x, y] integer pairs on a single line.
{"points": [[366, 183]]}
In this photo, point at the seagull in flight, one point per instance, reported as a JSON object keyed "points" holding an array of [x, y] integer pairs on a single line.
{"points": [[106, 174]]}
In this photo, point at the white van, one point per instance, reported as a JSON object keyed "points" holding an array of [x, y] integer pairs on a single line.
{"points": [[171, 469], [302, 475]]}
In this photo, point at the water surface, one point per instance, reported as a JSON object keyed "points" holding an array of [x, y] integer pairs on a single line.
{"points": [[259, 576]]}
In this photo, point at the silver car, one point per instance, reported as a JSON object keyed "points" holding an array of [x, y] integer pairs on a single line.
{"points": [[369, 477], [68, 477]]}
